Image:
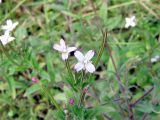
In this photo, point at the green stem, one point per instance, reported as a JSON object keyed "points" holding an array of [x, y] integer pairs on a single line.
{"points": [[82, 92], [101, 48], [81, 98], [51, 98], [122, 89], [73, 80], [70, 71]]}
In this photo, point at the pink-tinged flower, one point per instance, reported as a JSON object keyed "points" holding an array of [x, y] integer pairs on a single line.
{"points": [[64, 49], [130, 22], [84, 61], [9, 26], [71, 101], [35, 79], [0, 1]]}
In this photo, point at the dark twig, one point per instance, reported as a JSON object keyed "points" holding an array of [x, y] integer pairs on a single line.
{"points": [[138, 100], [114, 65], [131, 105], [106, 116], [144, 116], [131, 116], [122, 89]]}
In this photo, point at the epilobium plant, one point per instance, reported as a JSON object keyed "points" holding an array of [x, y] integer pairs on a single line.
{"points": [[131, 21], [84, 61], [64, 49], [77, 81]]}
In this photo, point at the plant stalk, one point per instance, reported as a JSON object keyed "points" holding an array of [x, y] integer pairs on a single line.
{"points": [[53, 101]]}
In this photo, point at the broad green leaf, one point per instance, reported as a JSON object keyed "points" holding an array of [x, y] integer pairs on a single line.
{"points": [[32, 89]]}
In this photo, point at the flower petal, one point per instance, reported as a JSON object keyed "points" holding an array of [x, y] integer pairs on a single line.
{"points": [[15, 24], [64, 56], [126, 25], [70, 49], [89, 55], [11, 39], [127, 20], [133, 24], [133, 18], [2, 39], [6, 38], [57, 47], [79, 56], [4, 27], [79, 66], [62, 43], [4, 42], [9, 22], [90, 68]]}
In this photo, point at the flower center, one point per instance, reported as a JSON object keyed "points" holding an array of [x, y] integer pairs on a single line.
{"points": [[85, 62], [65, 50]]}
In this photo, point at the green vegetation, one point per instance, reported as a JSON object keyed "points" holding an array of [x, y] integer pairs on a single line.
{"points": [[36, 84]]}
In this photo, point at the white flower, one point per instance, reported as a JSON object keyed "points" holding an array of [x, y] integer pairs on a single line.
{"points": [[65, 111], [65, 50], [84, 61], [155, 59], [6, 38], [0, 1], [9, 26], [130, 22]]}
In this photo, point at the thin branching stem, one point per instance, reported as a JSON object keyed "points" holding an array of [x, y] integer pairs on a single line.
{"points": [[144, 95], [82, 93], [144, 116], [107, 117], [115, 68]]}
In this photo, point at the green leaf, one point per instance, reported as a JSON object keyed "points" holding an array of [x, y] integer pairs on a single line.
{"points": [[145, 107], [50, 67], [32, 89], [103, 12], [12, 88], [117, 22]]}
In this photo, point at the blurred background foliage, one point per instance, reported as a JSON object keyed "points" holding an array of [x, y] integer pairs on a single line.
{"points": [[44, 22]]}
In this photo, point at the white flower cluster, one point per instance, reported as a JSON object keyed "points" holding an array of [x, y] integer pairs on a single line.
{"points": [[84, 62], [8, 28]]}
